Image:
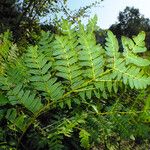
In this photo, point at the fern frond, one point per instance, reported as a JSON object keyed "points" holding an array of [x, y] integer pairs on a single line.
{"points": [[72, 67], [16, 121], [112, 49], [8, 52], [66, 56], [130, 50], [139, 41], [44, 44], [17, 95], [138, 61], [121, 67], [39, 69], [13, 53], [27, 99], [91, 26], [5, 44], [5, 85], [90, 54], [130, 75], [68, 125], [17, 72]]}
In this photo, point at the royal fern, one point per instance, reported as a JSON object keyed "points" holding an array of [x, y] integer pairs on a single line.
{"points": [[69, 72]]}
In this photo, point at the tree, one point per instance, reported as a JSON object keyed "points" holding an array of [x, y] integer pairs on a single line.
{"points": [[131, 22], [23, 17], [8, 13]]}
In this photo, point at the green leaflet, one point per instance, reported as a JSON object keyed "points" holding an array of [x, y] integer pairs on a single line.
{"points": [[25, 98], [138, 61]]}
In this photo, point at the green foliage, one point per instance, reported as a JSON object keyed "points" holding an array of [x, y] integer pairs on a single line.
{"points": [[84, 135], [67, 87], [28, 17]]}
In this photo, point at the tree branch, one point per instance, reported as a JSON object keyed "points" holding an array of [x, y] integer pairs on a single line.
{"points": [[25, 10]]}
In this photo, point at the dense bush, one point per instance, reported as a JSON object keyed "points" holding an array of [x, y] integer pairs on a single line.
{"points": [[67, 92]]}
